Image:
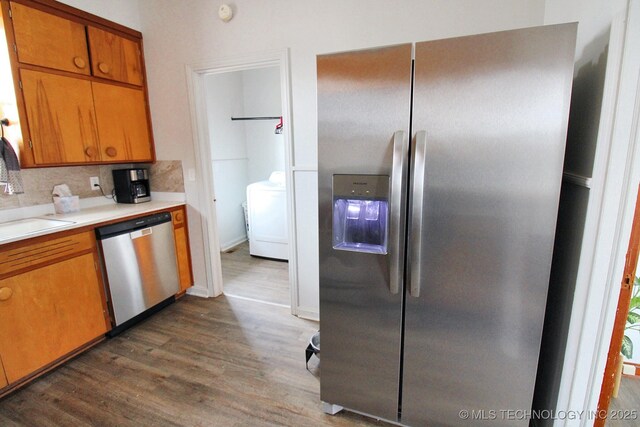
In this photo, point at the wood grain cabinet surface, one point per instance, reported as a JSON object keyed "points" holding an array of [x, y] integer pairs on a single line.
{"points": [[181, 236], [3, 377], [53, 311], [123, 131], [83, 93], [114, 57], [61, 117], [51, 302], [49, 41]]}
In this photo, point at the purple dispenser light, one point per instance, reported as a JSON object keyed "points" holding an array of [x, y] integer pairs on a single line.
{"points": [[360, 225]]}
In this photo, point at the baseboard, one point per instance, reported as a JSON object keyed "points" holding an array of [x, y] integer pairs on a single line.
{"points": [[307, 313], [228, 245], [197, 291]]}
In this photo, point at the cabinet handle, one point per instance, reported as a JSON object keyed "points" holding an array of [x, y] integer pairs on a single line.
{"points": [[111, 151], [5, 293], [104, 68], [90, 151], [79, 62]]}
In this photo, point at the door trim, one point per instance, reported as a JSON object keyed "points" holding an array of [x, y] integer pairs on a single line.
{"points": [[616, 174], [195, 81]]}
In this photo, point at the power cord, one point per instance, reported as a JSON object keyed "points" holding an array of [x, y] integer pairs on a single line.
{"points": [[113, 193]]}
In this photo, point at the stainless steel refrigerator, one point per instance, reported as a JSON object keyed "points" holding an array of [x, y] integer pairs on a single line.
{"points": [[439, 172]]}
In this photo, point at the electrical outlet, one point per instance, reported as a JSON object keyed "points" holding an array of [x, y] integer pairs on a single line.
{"points": [[95, 182]]}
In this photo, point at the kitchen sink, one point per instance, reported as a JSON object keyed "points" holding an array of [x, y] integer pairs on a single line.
{"points": [[27, 226]]}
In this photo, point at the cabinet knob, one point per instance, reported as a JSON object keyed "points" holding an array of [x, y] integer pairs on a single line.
{"points": [[5, 293], [104, 68], [90, 151], [111, 151], [79, 62]]}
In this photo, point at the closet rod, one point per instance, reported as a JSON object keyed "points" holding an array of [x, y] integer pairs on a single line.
{"points": [[256, 118]]}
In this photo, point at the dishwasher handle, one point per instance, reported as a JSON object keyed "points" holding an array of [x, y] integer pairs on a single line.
{"points": [[136, 224], [141, 233]]}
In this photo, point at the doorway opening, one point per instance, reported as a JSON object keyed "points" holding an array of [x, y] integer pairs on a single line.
{"points": [[621, 384], [244, 110], [241, 115]]}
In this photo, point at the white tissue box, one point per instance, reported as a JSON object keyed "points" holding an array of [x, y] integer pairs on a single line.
{"points": [[66, 204]]}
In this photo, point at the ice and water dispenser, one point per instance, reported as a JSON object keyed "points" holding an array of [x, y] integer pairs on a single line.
{"points": [[361, 213]]}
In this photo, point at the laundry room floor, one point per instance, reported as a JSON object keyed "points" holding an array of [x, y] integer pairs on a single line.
{"points": [[628, 399], [199, 362], [253, 277]]}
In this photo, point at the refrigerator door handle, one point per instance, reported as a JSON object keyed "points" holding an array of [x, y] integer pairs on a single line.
{"points": [[417, 214], [398, 183]]}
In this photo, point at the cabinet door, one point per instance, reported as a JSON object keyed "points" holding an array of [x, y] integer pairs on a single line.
{"points": [[3, 377], [184, 261], [50, 312], [61, 118], [114, 57], [122, 123], [183, 254], [49, 41]]}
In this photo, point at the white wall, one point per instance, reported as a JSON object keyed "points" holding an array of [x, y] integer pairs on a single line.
{"points": [[189, 32], [125, 12], [265, 149], [594, 20], [225, 99]]}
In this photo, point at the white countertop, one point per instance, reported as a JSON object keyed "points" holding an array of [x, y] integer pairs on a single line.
{"points": [[13, 231]]}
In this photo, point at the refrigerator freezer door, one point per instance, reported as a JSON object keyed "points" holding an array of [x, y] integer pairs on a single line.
{"points": [[364, 98], [494, 108]]}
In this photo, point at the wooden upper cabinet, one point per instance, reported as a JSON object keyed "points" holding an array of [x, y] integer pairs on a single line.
{"points": [[123, 127], [49, 41], [84, 93], [61, 118], [114, 57]]}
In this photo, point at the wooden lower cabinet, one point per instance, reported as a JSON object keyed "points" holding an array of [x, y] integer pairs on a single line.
{"points": [[53, 301], [3, 377], [183, 254], [184, 263], [49, 312]]}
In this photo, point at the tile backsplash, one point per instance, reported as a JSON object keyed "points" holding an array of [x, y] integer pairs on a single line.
{"points": [[165, 176]]}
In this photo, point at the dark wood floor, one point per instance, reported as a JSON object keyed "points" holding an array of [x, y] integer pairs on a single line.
{"points": [[261, 279], [628, 400], [199, 362]]}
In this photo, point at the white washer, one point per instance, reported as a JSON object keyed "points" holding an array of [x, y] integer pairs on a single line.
{"points": [[267, 208]]}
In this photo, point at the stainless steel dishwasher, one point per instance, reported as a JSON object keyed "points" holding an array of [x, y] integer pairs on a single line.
{"points": [[139, 266]]}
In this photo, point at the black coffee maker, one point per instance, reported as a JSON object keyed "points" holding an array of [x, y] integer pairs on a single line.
{"points": [[131, 185]]}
